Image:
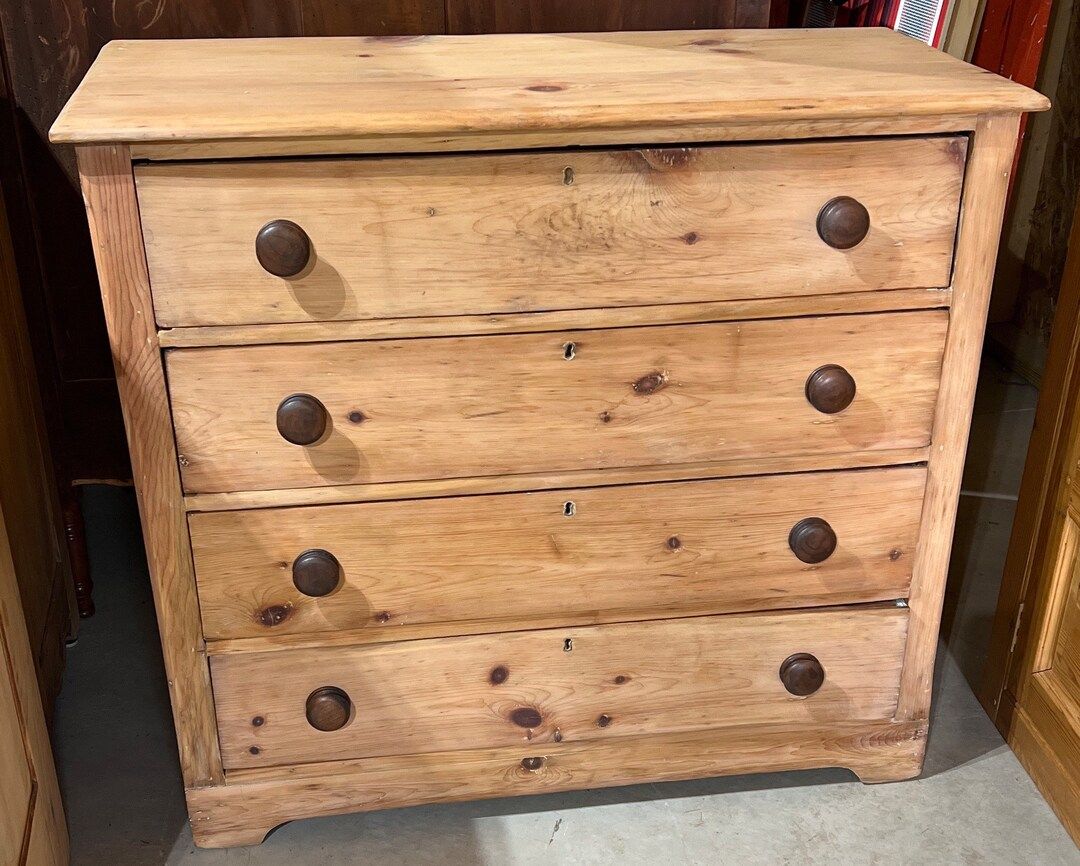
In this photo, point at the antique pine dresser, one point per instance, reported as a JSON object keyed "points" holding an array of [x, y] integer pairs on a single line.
{"points": [[513, 414]]}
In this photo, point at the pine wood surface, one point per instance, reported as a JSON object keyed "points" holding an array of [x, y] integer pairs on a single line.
{"points": [[886, 300], [986, 184], [112, 211], [482, 234], [645, 551], [253, 802], [543, 688], [456, 407], [442, 86]]}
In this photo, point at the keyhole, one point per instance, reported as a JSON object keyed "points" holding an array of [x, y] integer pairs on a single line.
{"points": [[569, 350], [568, 175], [569, 509], [568, 645]]}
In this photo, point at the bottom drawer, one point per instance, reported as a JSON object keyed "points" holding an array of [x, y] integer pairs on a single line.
{"points": [[559, 685]]}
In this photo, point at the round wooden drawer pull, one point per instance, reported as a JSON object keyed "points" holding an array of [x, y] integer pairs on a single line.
{"points": [[802, 674], [316, 572], [830, 389], [328, 709], [283, 248], [812, 540], [301, 419], [843, 222]]}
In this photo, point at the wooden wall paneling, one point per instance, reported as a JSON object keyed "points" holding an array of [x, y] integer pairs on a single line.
{"points": [[28, 492], [190, 19], [568, 16], [45, 52], [112, 212], [372, 17]]}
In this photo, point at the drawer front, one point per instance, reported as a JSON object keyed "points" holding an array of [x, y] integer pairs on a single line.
{"points": [[471, 406], [426, 235], [557, 686], [492, 563]]}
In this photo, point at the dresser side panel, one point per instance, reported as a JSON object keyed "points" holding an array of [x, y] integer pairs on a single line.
{"points": [[109, 192], [986, 183]]}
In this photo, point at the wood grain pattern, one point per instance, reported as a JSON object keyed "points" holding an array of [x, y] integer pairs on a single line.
{"points": [[1045, 736], [437, 236], [32, 828], [986, 183], [501, 562], [109, 192], [561, 320], [544, 688], [416, 409], [532, 481], [171, 151], [448, 85], [255, 801]]}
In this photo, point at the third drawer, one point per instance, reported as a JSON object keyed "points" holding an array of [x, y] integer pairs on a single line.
{"points": [[385, 570]]}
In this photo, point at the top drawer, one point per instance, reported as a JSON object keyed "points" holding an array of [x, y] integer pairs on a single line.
{"points": [[434, 236]]}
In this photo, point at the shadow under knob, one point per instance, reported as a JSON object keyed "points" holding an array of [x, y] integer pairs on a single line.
{"points": [[328, 709], [301, 419], [802, 674], [812, 540], [316, 572], [843, 222], [830, 389], [283, 248]]}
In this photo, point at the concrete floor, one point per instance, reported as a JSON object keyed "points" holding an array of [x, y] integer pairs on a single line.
{"points": [[974, 803]]}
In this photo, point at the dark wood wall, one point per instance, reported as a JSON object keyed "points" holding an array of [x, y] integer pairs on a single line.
{"points": [[48, 45]]}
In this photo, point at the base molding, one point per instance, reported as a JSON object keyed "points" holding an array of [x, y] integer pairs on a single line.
{"points": [[253, 802]]}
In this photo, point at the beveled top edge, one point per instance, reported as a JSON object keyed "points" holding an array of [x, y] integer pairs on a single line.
{"points": [[229, 90]]}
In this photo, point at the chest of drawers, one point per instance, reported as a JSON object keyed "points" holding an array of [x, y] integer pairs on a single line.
{"points": [[525, 413]]}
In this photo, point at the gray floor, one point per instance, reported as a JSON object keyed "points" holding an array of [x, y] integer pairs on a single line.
{"points": [[974, 803]]}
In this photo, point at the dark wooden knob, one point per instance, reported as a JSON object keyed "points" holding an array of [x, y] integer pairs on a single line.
{"points": [[830, 389], [802, 674], [283, 248], [812, 540], [328, 709], [301, 419], [843, 222], [316, 572]]}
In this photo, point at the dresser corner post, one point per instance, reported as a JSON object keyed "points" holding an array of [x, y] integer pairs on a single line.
{"points": [[986, 182], [108, 188]]}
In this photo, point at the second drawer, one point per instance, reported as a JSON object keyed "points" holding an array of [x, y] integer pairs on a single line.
{"points": [[485, 563], [288, 416]]}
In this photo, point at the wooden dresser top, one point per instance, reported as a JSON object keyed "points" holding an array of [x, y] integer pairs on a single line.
{"points": [[307, 89]]}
